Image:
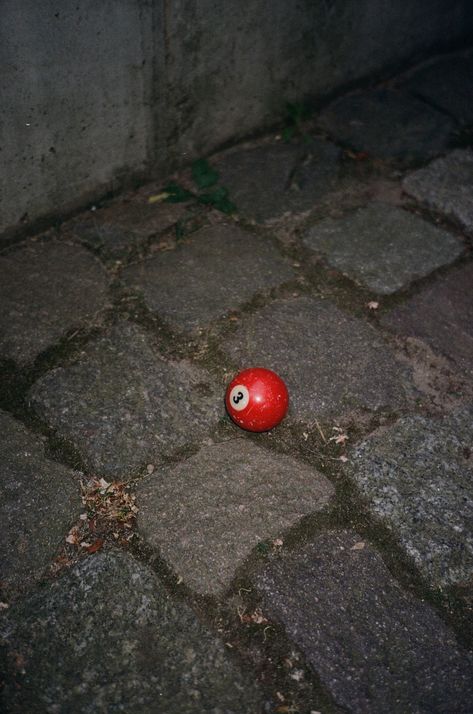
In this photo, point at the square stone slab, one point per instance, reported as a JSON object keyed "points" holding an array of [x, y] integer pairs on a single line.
{"points": [[46, 289], [418, 478], [374, 647], [269, 180], [447, 84], [122, 406], [388, 124], [39, 501], [446, 186], [219, 269], [205, 515], [382, 247], [333, 363], [442, 315], [106, 637]]}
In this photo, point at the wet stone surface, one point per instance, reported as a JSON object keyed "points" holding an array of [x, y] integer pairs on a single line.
{"points": [[417, 476], [445, 186], [382, 247], [122, 406], [39, 500], [107, 637], [373, 646], [442, 315], [333, 363], [46, 290], [220, 268], [446, 84], [206, 515], [388, 124], [267, 181]]}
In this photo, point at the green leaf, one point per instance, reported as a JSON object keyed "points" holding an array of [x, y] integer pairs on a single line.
{"points": [[217, 195], [296, 113], [203, 174], [225, 206], [218, 199], [288, 132], [263, 548], [177, 194]]}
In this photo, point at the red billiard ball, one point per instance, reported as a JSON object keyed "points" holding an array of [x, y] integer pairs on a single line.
{"points": [[257, 399]]}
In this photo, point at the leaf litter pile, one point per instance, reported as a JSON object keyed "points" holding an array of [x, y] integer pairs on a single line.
{"points": [[109, 516]]}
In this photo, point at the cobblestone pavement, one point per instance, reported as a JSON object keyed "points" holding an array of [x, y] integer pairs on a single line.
{"points": [[156, 558]]}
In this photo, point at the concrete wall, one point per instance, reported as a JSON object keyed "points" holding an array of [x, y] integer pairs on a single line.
{"points": [[95, 93]]}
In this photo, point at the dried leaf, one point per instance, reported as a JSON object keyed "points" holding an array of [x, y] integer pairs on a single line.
{"points": [[339, 439], [157, 198], [95, 546], [358, 546], [297, 675], [343, 458]]}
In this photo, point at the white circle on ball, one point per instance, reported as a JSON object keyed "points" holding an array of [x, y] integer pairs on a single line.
{"points": [[239, 397]]}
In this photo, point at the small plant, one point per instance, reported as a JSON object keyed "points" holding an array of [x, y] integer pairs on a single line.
{"points": [[263, 548], [204, 177], [296, 114]]}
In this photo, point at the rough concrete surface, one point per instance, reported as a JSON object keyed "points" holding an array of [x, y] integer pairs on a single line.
{"points": [[388, 124], [445, 186], [39, 500], [107, 637], [206, 515], [333, 363], [374, 647], [76, 102], [46, 290], [418, 479], [382, 247], [122, 406], [267, 181], [442, 315], [219, 268]]}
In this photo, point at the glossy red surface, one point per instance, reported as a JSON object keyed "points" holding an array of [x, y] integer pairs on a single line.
{"points": [[257, 399]]}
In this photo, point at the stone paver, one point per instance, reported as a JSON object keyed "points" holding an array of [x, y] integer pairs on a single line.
{"points": [[388, 124], [120, 229], [418, 478], [39, 501], [106, 637], [267, 181], [46, 289], [382, 247], [442, 315], [109, 240], [122, 406], [220, 268], [333, 363], [207, 514], [447, 84], [445, 186], [374, 647]]}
